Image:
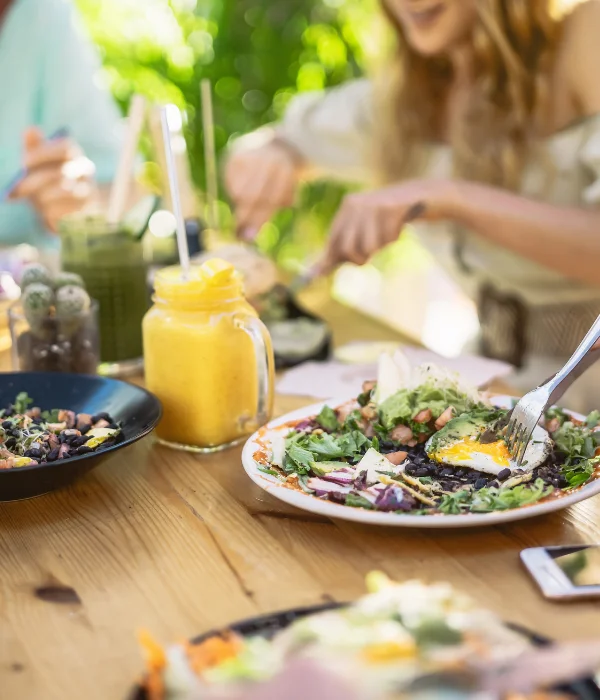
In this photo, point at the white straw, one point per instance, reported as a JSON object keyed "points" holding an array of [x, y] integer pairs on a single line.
{"points": [[184, 254], [210, 155], [122, 181]]}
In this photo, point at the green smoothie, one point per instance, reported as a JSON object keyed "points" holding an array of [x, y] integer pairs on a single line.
{"points": [[114, 270]]}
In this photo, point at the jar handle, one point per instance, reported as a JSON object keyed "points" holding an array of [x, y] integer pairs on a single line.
{"points": [[265, 365]]}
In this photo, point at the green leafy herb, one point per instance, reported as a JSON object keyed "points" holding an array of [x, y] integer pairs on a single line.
{"points": [[455, 503], [558, 414], [364, 398], [578, 474], [272, 472], [51, 416], [435, 632], [355, 501], [300, 457], [576, 442], [22, 402], [354, 444], [593, 419], [491, 499], [375, 443], [327, 419]]}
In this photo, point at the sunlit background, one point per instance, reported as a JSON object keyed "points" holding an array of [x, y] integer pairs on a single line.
{"points": [[258, 54]]}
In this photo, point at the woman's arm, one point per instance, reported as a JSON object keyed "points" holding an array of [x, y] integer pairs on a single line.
{"points": [[565, 239]]}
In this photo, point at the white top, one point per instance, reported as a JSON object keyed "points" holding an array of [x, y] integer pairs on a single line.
{"points": [[333, 131]]}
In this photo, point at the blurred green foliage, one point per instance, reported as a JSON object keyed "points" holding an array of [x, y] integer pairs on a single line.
{"points": [[257, 53]]}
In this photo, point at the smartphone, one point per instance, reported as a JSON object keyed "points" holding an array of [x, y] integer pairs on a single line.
{"points": [[565, 573]]}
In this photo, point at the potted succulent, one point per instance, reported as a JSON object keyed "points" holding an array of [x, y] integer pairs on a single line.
{"points": [[54, 325]]}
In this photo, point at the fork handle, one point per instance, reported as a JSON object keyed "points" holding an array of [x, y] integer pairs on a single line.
{"points": [[587, 354]]}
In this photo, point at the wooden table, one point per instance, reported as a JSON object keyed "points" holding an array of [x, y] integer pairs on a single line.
{"points": [[179, 544]]}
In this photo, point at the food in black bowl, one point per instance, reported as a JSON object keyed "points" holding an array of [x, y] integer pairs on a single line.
{"points": [[297, 335], [61, 426]]}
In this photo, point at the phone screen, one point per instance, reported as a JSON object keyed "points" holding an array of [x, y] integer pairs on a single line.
{"points": [[581, 565]]}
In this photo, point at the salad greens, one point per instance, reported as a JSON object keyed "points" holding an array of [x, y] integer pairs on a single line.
{"points": [[577, 445], [373, 455], [491, 499], [405, 404]]}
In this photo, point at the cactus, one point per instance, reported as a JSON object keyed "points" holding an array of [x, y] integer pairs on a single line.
{"points": [[68, 279], [35, 274], [37, 300], [71, 301]]}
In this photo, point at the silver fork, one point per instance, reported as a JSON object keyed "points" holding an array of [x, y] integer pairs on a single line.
{"points": [[528, 411]]}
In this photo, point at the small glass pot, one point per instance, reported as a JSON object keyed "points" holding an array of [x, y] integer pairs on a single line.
{"points": [[54, 344], [208, 358]]}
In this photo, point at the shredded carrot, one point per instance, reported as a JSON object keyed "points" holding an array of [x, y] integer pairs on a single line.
{"points": [[213, 651], [155, 655], [156, 662]]}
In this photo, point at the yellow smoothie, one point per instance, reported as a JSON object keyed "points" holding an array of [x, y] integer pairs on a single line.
{"points": [[202, 351]]}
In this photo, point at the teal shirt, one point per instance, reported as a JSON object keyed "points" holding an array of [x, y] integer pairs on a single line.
{"points": [[48, 78]]}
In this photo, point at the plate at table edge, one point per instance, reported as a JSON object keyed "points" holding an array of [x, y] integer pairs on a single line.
{"points": [[305, 501], [270, 623]]}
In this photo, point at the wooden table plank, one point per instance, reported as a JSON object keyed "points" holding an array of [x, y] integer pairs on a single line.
{"points": [[180, 543]]}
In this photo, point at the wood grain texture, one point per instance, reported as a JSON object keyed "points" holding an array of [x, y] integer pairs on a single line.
{"points": [[179, 544]]}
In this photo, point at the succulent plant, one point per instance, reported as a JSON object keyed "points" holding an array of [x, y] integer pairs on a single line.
{"points": [[37, 300], [71, 301], [35, 274], [68, 279]]}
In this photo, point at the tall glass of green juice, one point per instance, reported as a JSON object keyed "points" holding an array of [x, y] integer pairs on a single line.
{"points": [[115, 271]]}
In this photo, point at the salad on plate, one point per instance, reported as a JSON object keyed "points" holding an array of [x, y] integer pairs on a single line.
{"points": [[409, 640], [420, 441]]}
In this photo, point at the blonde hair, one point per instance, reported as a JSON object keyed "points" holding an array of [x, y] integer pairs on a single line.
{"points": [[514, 42]]}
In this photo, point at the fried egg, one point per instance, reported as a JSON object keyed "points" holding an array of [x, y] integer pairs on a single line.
{"points": [[491, 457]]}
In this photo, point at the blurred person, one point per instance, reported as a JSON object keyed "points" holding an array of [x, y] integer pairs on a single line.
{"points": [[485, 131], [47, 71]]}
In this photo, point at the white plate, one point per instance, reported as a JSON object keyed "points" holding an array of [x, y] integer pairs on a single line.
{"points": [[334, 510]]}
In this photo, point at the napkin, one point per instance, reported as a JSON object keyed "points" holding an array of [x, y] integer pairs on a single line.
{"points": [[324, 380]]}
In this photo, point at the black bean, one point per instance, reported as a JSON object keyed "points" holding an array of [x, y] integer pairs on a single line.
{"points": [[15, 433], [34, 453], [79, 440], [504, 474], [480, 483], [101, 416], [422, 471], [7, 425], [84, 450], [85, 427], [62, 438], [447, 472], [494, 485], [410, 469], [52, 455]]}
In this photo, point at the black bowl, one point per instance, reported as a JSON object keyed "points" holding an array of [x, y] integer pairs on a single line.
{"points": [[137, 410]]}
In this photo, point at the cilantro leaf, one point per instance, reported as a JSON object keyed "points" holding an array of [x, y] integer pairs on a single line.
{"points": [[22, 402]]}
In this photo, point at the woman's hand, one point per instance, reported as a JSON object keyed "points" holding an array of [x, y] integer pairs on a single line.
{"points": [[368, 221], [59, 179], [260, 181]]}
